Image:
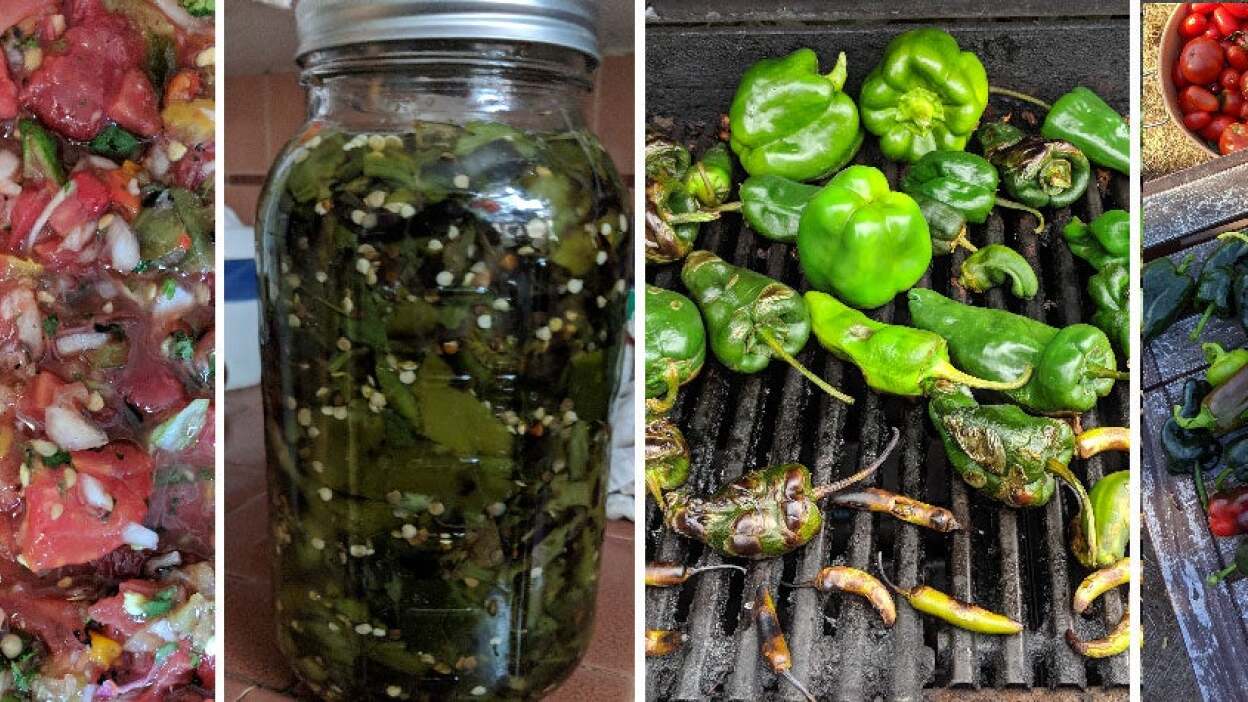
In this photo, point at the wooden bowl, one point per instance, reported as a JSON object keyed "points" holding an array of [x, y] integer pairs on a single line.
{"points": [[1171, 42]]}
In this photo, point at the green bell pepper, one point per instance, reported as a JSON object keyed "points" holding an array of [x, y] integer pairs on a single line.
{"points": [[675, 345], [773, 205], [1109, 522], [1216, 280], [787, 119], [1167, 291], [1107, 238], [892, 358], [1036, 171], [1082, 118], [1073, 366], [862, 241], [1222, 363], [667, 458], [925, 94], [953, 188], [993, 265], [1110, 292], [710, 179], [750, 317]]}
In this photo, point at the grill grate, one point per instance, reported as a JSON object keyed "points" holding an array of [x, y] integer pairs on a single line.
{"points": [[1015, 562]]}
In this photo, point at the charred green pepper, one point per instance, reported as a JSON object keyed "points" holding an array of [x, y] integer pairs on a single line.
{"points": [[1167, 291], [953, 188], [1216, 280], [1073, 366], [1110, 519], [1106, 239], [673, 213], [773, 205], [667, 458], [862, 241], [787, 119], [892, 358], [926, 94], [709, 180], [675, 345], [1035, 171], [1110, 291], [995, 264], [1082, 118], [750, 317], [1225, 407], [1194, 450]]}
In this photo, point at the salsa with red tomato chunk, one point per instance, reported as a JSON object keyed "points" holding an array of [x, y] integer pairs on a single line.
{"points": [[107, 356]]}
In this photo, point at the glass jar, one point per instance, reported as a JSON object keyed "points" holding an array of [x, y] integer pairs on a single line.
{"points": [[444, 259]]}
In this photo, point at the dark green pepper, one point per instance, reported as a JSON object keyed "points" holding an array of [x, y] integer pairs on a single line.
{"points": [[1217, 278], [675, 344], [1110, 520], [1223, 409], [1167, 291], [773, 205], [1082, 118], [1107, 238], [953, 188], [1222, 363], [1189, 450], [750, 317], [993, 265], [788, 119], [926, 94], [892, 358], [710, 179], [1073, 366], [667, 458], [1110, 292], [1035, 171], [1234, 462]]}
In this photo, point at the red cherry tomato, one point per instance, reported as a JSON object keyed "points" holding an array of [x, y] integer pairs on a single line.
{"points": [[1204, 8], [1243, 84], [1193, 26], [1225, 21], [1234, 138], [1196, 99], [1237, 56], [1232, 102], [1238, 9], [1213, 132], [1177, 78], [1213, 33], [1229, 78], [1201, 61], [1197, 121]]}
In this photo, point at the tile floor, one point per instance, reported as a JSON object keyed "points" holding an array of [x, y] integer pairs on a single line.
{"points": [[255, 672]]}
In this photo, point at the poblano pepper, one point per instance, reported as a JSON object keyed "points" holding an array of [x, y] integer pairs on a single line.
{"points": [[675, 345], [893, 358], [1004, 452], [1234, 462], [1222, 363], [1110, 519], [1110, 292], [1035, 171], [1073, 366], [750, 317], [1105, 239], [862, 241], [1082, 118], [788, 119], [773, 205], [709, 180], [1167, 290], [667, 458], [995, 264], [1216, 280], [763, 514], [1225, 407], [953, 188], [1189, 451], [926, 94]]}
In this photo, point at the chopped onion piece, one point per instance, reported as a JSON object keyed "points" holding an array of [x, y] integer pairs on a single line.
{"points": [[94, 493], [123, 245], [140, 537], [71, 344], [71, 431], [46, 214], [164, 560], [181, 430]]}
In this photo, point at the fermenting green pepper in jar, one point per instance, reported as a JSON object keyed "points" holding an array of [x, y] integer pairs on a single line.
{"points": [[444, 266]]}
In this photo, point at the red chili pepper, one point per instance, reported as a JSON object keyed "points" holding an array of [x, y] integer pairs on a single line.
{"points": [[1228, 512], [1234, 138]]}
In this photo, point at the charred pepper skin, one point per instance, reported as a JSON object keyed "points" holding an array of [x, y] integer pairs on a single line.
{"points": [[925, 94], [788, 119], [663, 642], [660, 574], [996, 264], [1111, 514], [1082, 118], [667, 458], [1167, 291], [857, 582], [666, 195], [861, 240], [771, 643], [1074, 366], [675, 342], [1035, 171], [1189, 450], [904, 508], [893, 359]]}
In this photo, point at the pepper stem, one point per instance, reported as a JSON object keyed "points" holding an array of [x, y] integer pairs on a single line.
{"points": [[652, 482], [945, 370], [1101, 439], [656, 407], [795, 683], [1218, 576], [703, 215], [1086, 514], [1010, 204], [1200, 326], [824, 490], [962, 240], [994, 90], [879, 564], [788, 358], [1093, 370], [1198, 477]]}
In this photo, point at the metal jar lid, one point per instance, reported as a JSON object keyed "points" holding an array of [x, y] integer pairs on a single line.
{"points": [[325, 24]]}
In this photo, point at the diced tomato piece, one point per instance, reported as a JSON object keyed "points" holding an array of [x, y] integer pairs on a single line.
{"points": [[89, 200], [54, 620], [26, 210], [119, 461], [111, 611], [42, 391], [134, 106], [60, 528]]}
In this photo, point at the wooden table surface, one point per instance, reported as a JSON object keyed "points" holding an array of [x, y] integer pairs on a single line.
{"points": [[256, 672]]}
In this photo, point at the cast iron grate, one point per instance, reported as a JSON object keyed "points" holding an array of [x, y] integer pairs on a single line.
{"points": [[1012, 561]]}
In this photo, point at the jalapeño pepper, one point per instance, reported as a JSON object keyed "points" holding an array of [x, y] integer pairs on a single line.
{"points": [[893, 359], [995, 264], [963, 615], [1167, 290], [750, 317], [1036, 171], [1073, 366]]}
